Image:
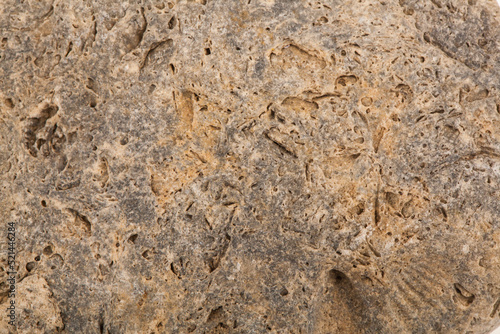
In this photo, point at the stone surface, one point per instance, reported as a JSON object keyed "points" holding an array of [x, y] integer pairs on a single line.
{"points": [[257, 166]]}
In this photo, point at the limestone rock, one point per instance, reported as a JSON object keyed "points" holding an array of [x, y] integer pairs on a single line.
{"points": [[256, 166]]}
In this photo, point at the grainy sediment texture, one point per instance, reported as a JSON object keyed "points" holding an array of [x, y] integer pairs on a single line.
{"points": [[251, 166]]}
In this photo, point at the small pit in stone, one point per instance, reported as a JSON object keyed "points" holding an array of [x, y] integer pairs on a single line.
{"points": [[47, 250]]}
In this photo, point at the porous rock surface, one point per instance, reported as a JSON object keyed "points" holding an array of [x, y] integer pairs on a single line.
{"points": [[256, 166]]}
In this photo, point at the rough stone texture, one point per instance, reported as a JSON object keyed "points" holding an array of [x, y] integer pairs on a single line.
{"points": [[252, 166]]}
